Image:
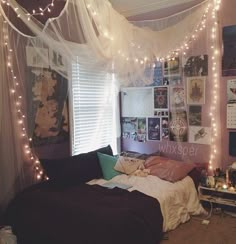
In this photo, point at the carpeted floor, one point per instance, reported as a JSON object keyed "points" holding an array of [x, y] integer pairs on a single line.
{"points": [[220, 230]]}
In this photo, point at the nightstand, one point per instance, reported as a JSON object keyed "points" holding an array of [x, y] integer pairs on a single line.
{"points": [[213, 195]]}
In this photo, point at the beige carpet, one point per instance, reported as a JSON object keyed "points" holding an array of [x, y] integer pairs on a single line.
{"points": [[220, 230]]}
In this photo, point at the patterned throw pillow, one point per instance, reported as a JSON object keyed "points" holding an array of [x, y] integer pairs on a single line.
{"points": [[128, 165]]}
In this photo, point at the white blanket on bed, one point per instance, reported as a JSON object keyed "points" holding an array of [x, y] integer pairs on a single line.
{"points": [[177, 200]]}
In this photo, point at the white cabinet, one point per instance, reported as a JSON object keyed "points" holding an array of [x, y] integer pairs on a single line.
{"points": [[224, 197]]}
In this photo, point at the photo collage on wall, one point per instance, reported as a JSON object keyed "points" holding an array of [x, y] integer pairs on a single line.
{"points": [[48, 111], [134, 128], [195, 70], [178, 96]]}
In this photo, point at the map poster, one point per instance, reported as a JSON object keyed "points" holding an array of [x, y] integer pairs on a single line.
{"points": [[161, 97], [178, 126], [154, 129], [47, 106]]}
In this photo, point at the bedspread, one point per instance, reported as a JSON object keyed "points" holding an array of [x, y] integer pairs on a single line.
{"points": [[86, 214], [178, 200]]}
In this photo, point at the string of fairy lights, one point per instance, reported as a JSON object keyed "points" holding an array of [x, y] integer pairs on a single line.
{"points": [[215, 53], [171, 55], [16, 96], [41, 10], [180, 50]]}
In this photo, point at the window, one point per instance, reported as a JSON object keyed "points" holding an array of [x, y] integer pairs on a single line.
{"points": [[93, 109]]}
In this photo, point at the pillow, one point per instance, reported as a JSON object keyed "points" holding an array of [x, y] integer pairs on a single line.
{"points": [[75, 169], [128, 165], [168, 169], [107, 164]]}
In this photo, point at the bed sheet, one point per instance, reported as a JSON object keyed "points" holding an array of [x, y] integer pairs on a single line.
{"points": [[177, 200]]}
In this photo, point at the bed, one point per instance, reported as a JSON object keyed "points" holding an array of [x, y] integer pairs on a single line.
{"points": [[74, 206]]}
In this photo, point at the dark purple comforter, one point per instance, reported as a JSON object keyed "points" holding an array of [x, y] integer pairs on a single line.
{"points": [[84, 214]]}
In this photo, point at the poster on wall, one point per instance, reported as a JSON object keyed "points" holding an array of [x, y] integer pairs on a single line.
{"points": [[141, 135], [196, 90], [195, 115], [154, 127], [196, 66], [229, 51], [134, 128], [231, 116], [231, 91], [158, 74], [154, 74], [177, 98], [172, 67], [172, 80], [161, 97], [200, 135], [161, 113], [165, 128], [129, 127], [178, 126], [57, 61], [37, 57], [137, 102], [47, 106]]}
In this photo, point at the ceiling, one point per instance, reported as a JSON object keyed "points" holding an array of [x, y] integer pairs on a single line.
{"points": [[150, 9]]}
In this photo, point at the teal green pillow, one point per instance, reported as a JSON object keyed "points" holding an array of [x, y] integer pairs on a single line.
{"points": [[107, 164]]}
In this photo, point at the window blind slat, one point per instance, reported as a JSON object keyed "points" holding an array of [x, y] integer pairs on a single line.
{"points": [[92, 108]]}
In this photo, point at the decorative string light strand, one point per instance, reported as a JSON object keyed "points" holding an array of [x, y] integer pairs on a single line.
{"points": [[41, 10], [215, 6], [171, 55], [215, 61], [17, 98]]}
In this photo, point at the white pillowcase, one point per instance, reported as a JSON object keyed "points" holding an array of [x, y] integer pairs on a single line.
{"points": [[128, 165]]}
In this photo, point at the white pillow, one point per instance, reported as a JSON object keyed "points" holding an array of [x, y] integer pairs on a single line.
{"points": [[128, 165]]}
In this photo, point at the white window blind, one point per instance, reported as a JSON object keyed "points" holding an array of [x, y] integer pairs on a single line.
{"points": [[92, 109]]}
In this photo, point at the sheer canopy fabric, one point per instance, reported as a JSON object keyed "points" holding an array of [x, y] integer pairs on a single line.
{"points": [[94, 28], [87, 31]]}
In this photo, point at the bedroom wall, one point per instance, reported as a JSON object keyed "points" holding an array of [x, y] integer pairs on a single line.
{"points": [[227, 18], [197, 152]]}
